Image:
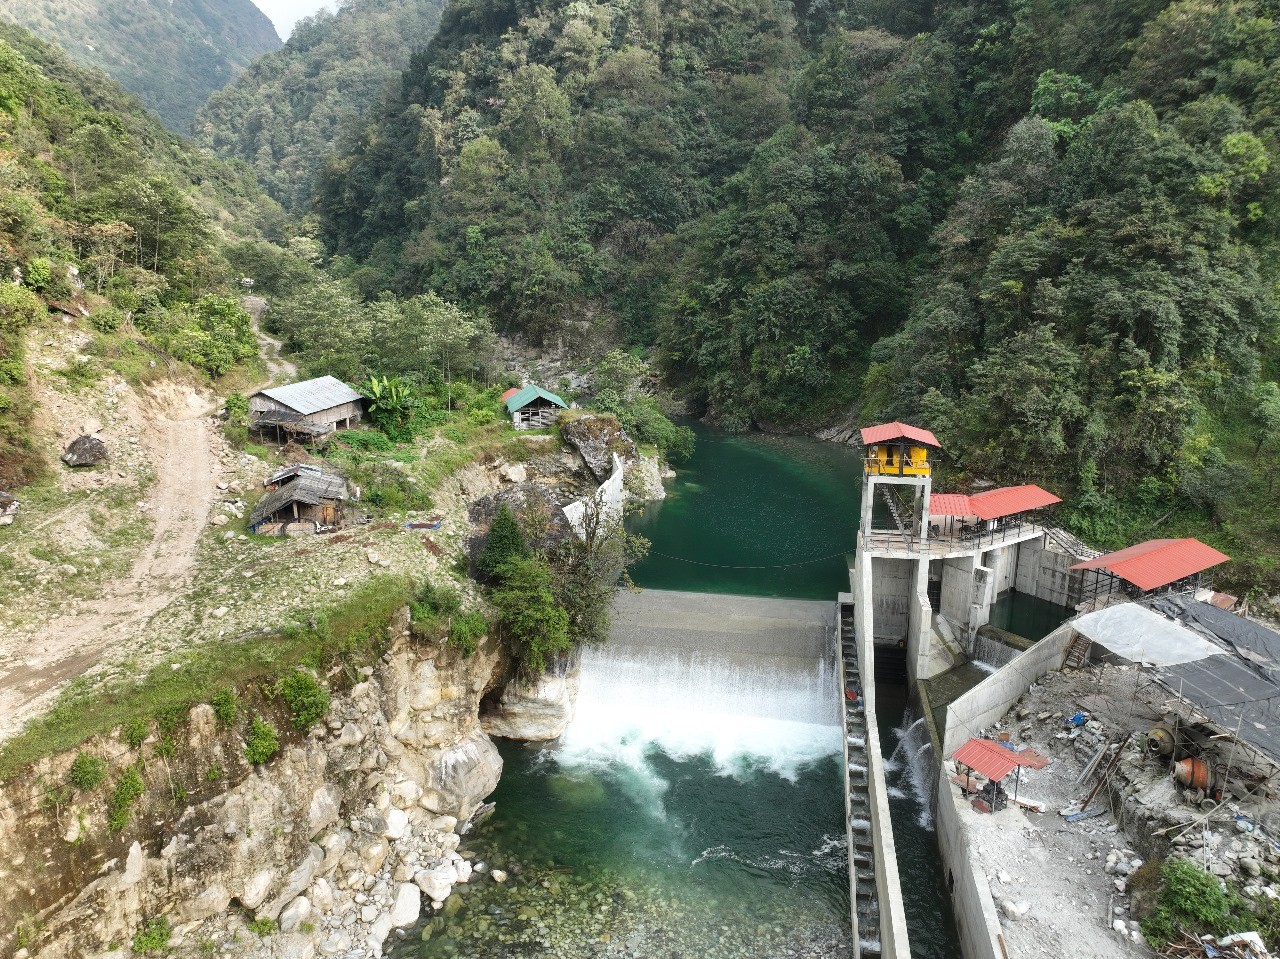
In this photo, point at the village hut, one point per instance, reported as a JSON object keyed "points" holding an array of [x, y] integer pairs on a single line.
{"points": [[533, 408], [308, 409], [301, 499]]}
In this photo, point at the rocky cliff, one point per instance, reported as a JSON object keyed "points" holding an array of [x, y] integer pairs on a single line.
{"points": [[330, 848]]}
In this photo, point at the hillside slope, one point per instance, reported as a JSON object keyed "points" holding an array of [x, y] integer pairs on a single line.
{"points": [[172, 53], [283, 114], [1049, 231]]}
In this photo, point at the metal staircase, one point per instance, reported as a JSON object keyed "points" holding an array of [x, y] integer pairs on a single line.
{"points": [[862, 865], [1070, 544]]}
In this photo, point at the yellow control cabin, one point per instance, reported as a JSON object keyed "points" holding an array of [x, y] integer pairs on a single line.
{"points": [[898, 449]]}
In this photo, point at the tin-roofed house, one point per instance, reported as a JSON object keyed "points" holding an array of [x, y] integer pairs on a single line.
{"points": [[301, 499], [533, 408], [308, 409]]}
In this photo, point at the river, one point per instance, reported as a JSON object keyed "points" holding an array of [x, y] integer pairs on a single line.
{"points": [[697, 828]]}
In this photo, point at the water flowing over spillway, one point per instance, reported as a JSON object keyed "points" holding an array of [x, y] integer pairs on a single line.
{"points": [[692, 808]]}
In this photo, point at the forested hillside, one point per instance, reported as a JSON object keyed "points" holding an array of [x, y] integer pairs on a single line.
{"points": [[171, 53], [104, 212], [1047, 229], [283, 115]]}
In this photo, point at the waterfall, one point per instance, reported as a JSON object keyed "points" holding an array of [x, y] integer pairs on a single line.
{"points": [[744, 709], [912, 766], [991, 654]]}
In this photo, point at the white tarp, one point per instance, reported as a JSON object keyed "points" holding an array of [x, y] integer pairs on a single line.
{"points": [[1141, 636]]}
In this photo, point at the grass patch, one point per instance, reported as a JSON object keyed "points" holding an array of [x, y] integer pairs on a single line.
{"points": [[1193, 900], [352, 631], [306, 696], [87, 772], [260, 741], [153, 937], [129, 788]]}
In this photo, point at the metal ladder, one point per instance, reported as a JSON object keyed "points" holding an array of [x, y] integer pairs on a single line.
{"points": [[862, 865]]}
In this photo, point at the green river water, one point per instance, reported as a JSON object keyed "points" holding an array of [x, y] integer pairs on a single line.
{"points": [[705, 839]]}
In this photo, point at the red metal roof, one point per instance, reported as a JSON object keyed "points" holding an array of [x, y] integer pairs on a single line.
{"points": [[897, 431], [984, 756], [992, 504], [1009, 500], [1158, 562], [510, 393], [949, 504]]}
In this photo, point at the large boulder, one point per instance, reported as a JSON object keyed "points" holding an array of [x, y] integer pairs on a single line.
{"points": [[536, 508], [535, 711], [597, 438], [85, 451]]}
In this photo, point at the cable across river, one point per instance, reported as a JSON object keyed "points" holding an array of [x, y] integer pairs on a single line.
{"points": [[806, 562]]}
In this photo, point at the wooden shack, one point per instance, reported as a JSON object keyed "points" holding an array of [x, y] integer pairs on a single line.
{"points": [[301, 499], [306, 410], [533, 408]]}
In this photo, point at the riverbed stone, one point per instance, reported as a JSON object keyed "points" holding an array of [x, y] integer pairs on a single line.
{"points": [[407, 905]]}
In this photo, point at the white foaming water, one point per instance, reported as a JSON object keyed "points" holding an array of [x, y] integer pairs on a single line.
{"points": [[915, 752], [746, 713], [990, 654]]}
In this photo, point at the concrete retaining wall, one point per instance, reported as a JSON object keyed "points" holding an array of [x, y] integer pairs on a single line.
{"points": [[990, 699], [957, 589], [1003, 563], [977, 921], [1043, 572]]}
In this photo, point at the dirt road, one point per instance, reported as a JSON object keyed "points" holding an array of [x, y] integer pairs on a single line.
{"points": [[175, 427]]}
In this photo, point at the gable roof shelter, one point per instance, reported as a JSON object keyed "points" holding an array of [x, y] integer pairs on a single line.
{"points": [[310, 496], [1155, 564], [985, 757], [888, 432], [533, 407], [510, 393], [313, 407]]}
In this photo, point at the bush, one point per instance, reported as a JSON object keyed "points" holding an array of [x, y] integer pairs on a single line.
{"points": [[129, 787], [153, 937], [225, 706], [134, 732], [87, 772], [503, 543], [307, 698], [465, 631], [535, 626], [263, 926], [261, 741], [1193, 900], [106, 319], [237, 406]]}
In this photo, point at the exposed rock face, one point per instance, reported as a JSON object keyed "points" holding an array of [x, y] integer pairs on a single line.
{"points": [[644, 479], [537, 509], [535, 712], [85, 451], [335, 838], [597, 438]]}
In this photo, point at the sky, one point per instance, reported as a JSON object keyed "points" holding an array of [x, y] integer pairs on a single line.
{"points": [[285, 13]]}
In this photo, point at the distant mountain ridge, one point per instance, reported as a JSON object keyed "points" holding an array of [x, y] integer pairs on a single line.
{"points": [[171, 53], [283, 115]]}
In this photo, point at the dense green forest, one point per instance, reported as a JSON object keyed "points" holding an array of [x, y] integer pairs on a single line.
{"points": [[283, 115], [171, 53], [104, 210], [1045, 229]]}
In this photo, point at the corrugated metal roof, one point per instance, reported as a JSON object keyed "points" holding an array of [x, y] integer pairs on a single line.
{"points": [[312, 396], [510, 393], [1158, 562], [310, 488], [984, 756], [992, 504], [530, 393], [897, 431], [949, 504], [1009, 500]]}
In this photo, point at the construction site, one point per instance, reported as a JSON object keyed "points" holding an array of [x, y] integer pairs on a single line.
{"points": [[1102, 773]]}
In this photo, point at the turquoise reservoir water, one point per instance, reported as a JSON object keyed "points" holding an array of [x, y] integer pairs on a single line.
{"points": [[754, 500], [692, 831]]}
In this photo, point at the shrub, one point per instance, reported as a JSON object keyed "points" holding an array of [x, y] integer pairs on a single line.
{"points": [[153, 937], [1193, 900], [237, 406], [134, 732], [40, 273], [465, 631], [504, 542], [226, 706], [106, 319], [308, 699], [87, 772], [263, 926], [129, 787], [261, 741]]}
